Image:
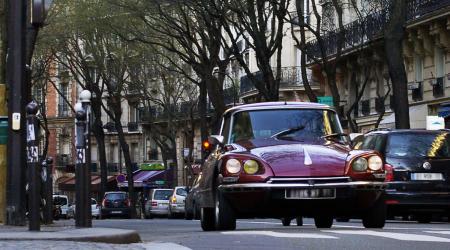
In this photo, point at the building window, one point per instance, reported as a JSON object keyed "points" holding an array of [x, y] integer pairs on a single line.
{"points": [[63, 107], [418, 68], [38, 94], [365, 107], [439, 61]]}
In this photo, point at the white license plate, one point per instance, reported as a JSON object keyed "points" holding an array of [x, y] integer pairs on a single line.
{"points": [[326, 193], [427, 177], [116, 212]]}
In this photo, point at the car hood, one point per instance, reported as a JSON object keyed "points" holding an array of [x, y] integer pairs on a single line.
{"points": [[301, 159]]}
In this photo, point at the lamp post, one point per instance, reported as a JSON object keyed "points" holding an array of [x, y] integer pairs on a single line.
{"points": [[83, 217], [85, 99]]}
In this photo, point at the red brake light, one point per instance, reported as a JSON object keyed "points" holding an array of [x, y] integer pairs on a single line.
{"points": [[127, 202], [104, 203], [389, 170], [154, 203]]}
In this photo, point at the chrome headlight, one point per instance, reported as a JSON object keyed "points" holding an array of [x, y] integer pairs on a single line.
{"points": [[251, 167], [375, 163], [233, 166], [360, 164]]}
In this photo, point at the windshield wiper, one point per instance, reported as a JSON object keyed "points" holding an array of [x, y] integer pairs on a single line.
{"points": [[288, 131]]}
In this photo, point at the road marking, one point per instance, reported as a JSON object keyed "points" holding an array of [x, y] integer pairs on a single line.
{"points": [[395, 236], [281, 235], [260, 222], [438, 232], [162, 246]]}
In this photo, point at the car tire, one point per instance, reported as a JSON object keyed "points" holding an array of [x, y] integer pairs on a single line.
{"points": [[376, 216], [207, 218], [286, 221], [196, 212], [223, 213], [299, 221], [323, 221]]}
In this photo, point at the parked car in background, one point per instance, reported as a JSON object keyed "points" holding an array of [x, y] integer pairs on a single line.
{"points": [[177, 201], [158, 203], [192, 210], [115, 204], [66, 209], [281, 160], [95, 209], [417, 170]]}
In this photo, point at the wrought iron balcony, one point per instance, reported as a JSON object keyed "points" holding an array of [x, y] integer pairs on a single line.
{"points": [[371, 27], [290, 77], [133, 127]]}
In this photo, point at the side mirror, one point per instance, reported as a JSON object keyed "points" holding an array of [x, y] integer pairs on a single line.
{"points": [[215, 140]]}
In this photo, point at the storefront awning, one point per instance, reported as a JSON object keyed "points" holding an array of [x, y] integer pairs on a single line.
{"points": [[69, 183], [141, 177]]}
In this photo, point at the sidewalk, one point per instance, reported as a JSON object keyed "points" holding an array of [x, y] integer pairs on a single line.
{"points": [[67, 232]]}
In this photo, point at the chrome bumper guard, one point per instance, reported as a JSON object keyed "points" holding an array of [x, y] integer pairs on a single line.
{"points": [[305, 183]]}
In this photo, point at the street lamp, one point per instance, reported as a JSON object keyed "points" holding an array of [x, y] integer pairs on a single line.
{"points": [[83, 161]]}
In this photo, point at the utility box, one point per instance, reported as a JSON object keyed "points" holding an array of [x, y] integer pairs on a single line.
{"points": [[3, 130]]}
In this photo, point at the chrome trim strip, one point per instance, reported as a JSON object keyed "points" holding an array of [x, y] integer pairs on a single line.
{"points": [[354, 184], [271, 180]]}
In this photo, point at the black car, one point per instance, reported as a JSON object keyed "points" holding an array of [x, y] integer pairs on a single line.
{"points": [[192, 209], [417, 170], [115, 204]]}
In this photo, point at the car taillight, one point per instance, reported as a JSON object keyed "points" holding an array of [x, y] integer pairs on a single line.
{"points": [[174, 199], [389, 170], [104, 202], [154, 203], [127, 202]]}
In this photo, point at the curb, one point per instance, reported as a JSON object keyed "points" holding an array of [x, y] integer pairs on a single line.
{"points": [[100, 235]]}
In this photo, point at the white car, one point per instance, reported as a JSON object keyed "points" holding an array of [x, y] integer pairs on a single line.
{"points": [[63, 202], [95, 209], [176, 202], [158, 203]]}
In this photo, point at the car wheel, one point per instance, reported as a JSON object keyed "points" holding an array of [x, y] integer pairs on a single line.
{"points": [[424, 218], [299, 221], [207, 218], [376, 216], [196, 212], [224, 214], [324, 221], [286, 221]]}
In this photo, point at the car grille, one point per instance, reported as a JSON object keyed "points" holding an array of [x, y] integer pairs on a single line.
{"points": [[310, 181]]}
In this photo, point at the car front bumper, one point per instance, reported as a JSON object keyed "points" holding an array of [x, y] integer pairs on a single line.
{"points": [[269, 199], [404, 202], [177, 208]]}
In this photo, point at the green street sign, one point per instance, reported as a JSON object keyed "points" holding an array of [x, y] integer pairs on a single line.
{"points": [[3, 130], [159, 182], [152, 166], [328, 100]]}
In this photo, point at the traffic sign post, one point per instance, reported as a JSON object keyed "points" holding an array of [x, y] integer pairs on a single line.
{"points": [[80, 168], [33, 165]]}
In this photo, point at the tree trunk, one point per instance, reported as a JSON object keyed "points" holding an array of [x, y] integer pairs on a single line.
{"points": [[100, 138], [393, 37], [202, 103], [126, 155]]}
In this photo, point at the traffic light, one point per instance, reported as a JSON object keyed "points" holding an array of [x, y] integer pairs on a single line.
{"points": [[206, 148]]}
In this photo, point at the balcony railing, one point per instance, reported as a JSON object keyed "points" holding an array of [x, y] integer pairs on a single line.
{"points": [[290, 77], [177, 111], [360, 32], [133, 126]]}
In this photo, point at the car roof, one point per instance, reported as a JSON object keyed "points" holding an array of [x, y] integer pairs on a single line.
{"points": [[277, 105], [115, 192]]}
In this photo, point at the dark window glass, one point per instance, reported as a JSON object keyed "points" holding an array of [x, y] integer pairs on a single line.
{"points": [[93, 202], [162, 194], [310, 124], [419, 145], [181, 191], [372, 142], [226, 128], [116, 196], [60, 201]]}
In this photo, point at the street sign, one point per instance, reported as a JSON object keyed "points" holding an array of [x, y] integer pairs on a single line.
{"points": [[328, 100], [152, 166]]}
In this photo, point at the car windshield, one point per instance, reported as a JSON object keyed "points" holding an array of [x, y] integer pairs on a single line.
{"points": [[115, 196], [181, 192], [293, 123], [162, 194], [60, 201], [418, 144]]}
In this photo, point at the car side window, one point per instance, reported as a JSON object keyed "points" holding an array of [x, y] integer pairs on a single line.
{"points": [[372, 142], [226, 128]]}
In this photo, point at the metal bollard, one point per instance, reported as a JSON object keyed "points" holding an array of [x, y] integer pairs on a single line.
{"points": [[34, 182], [47, 180], [80, 168]]}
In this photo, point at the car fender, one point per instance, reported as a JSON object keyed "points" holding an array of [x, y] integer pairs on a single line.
{"points": [[207, 185]]}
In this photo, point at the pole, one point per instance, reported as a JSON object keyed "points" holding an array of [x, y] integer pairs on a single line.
{"points": [[80, 177], [15, 187], [34, 180], [87, 169], [47, 166]]}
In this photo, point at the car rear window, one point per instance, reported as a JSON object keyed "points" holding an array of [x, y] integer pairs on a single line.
{"points": [[181, 192], [418, 144], [60, 201], [162, 194], [116, 196]]}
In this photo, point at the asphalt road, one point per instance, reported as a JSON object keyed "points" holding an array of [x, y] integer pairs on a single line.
{"points": [[270, 234]]}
